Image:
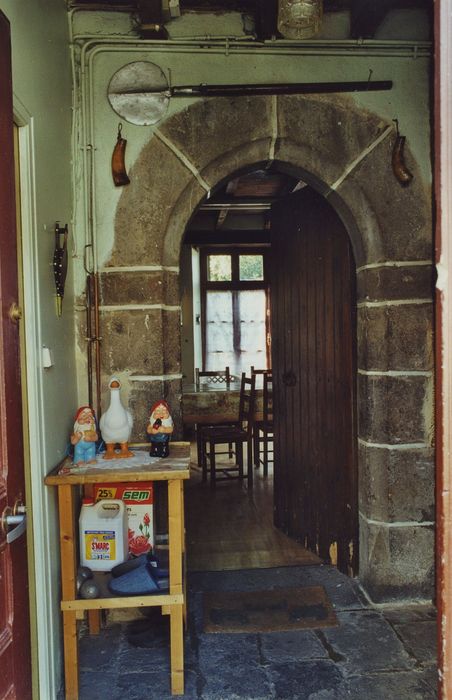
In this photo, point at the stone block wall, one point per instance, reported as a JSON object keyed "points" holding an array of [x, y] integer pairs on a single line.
{"points": [[345, 153]]}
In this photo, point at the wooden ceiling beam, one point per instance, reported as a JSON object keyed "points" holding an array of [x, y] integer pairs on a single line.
{"points": [[366, 15], [250, 5]]}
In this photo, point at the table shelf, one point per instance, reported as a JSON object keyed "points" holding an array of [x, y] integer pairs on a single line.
{"points": [[123, 602], [174, 470]]}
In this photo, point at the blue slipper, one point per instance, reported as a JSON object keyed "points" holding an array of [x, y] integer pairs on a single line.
{"points": [[134, 563], [140, 581]]}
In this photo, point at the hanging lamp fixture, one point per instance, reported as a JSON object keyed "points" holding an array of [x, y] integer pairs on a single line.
{"points": [[299, 19]]}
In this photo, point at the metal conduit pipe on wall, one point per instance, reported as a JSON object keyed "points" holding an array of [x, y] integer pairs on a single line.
{"points": [[95, 46]]}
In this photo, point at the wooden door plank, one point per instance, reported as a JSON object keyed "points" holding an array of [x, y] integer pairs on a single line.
{"points": [[313, 303]]}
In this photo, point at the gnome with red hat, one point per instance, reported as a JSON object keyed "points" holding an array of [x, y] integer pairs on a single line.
{"points": [[159, 429], [85, 436]]}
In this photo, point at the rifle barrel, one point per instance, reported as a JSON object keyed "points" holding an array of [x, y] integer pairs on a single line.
{"points": [[204, 90]]}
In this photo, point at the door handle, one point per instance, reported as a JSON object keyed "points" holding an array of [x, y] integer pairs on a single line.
{"points": [[9, 518], [15, 312]]}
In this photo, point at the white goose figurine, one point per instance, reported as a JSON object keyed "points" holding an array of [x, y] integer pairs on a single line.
{"points": [[116, 424]]}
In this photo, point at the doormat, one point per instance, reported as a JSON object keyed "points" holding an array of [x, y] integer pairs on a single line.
{"points": [[279, 610]]}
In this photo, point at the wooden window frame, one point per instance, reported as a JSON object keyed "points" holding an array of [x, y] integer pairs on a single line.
{"points": [[234, 285]]}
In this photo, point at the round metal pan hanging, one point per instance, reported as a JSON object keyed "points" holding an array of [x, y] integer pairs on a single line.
{"points": [[138, 92]]}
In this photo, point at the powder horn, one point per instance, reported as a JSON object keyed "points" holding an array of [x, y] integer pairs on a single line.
{"points": [[118, 166], [403, 175]]}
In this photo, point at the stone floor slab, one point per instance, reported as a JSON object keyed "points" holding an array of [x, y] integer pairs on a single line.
{"points": [[366, 642], [96, 685], [307, 680], [100, 652], [151, 686], [283, 647], [430, 675], [388, 686], [371, 655], [419, 638], [228, 683], [410, 613]]}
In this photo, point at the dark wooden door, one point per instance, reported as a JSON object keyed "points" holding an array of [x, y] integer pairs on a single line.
{"points": [[15, 676], [313, 348]]}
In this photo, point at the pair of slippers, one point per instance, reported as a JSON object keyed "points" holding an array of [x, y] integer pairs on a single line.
{"points": [[140, 576]]}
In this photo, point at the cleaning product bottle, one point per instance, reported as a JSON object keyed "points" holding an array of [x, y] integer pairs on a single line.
{"points": [[103, 534]]}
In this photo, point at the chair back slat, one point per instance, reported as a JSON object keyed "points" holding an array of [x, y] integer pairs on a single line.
{"points": [[268, 397], [247, 401], [213, 377]]}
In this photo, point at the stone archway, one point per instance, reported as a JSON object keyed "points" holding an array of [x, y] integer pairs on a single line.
{"points": [[345, 153]]}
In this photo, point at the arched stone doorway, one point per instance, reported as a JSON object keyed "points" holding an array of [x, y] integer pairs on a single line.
{"points": [[344, 153]]}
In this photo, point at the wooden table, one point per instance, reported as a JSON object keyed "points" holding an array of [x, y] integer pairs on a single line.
{"points": [[174, 470]]}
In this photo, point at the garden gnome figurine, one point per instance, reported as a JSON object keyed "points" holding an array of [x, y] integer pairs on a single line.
{"points": [[85, 436], [116, 424], [159, 429]]}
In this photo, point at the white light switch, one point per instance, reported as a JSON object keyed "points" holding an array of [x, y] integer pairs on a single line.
{"points": [[47, 360]]}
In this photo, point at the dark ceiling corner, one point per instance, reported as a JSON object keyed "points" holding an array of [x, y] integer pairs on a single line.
{"points": [[151, 19], [266, 18], [367, 15]]}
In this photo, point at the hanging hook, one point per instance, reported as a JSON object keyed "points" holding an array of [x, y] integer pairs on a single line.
{"points": [[396, 122]]}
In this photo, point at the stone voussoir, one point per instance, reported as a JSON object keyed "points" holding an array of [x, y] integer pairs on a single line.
{"points": [[330, 131], [209, 128], [157, 180], [402, 216]]}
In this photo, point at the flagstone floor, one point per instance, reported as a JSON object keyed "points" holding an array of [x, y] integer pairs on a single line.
{"points": [[373, 654]]}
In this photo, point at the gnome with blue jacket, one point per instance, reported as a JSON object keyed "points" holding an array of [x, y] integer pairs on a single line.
{"points": [[160, 429]]}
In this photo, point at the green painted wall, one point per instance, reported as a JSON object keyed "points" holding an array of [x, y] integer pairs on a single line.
{"points": [[43, 101], [408, 101], [42, 86]]}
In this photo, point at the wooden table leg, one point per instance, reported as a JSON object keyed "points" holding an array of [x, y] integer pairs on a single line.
{"points": [[94, 621], [70, 654], [177, 650], [175, 518], [68, 588], [184, 555]]}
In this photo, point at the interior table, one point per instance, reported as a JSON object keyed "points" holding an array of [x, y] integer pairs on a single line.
{"points": [[174, 470]]}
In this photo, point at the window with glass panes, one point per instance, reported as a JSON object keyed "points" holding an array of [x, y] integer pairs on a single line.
{"points": [[235, 306]]}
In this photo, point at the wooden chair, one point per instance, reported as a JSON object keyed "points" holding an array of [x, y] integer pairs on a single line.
{"points": [[213, 377], [239, 433], [210, 377], [263, 429]]}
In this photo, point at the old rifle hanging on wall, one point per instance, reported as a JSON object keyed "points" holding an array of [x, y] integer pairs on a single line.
{"points": [[141, 92], [205, 90]]}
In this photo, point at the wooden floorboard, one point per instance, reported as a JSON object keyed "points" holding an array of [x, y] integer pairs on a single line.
{"points": [[230, 528]]}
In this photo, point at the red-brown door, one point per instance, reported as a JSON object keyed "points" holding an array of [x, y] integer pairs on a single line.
{"points": [[15, 675], [313, 348]]}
